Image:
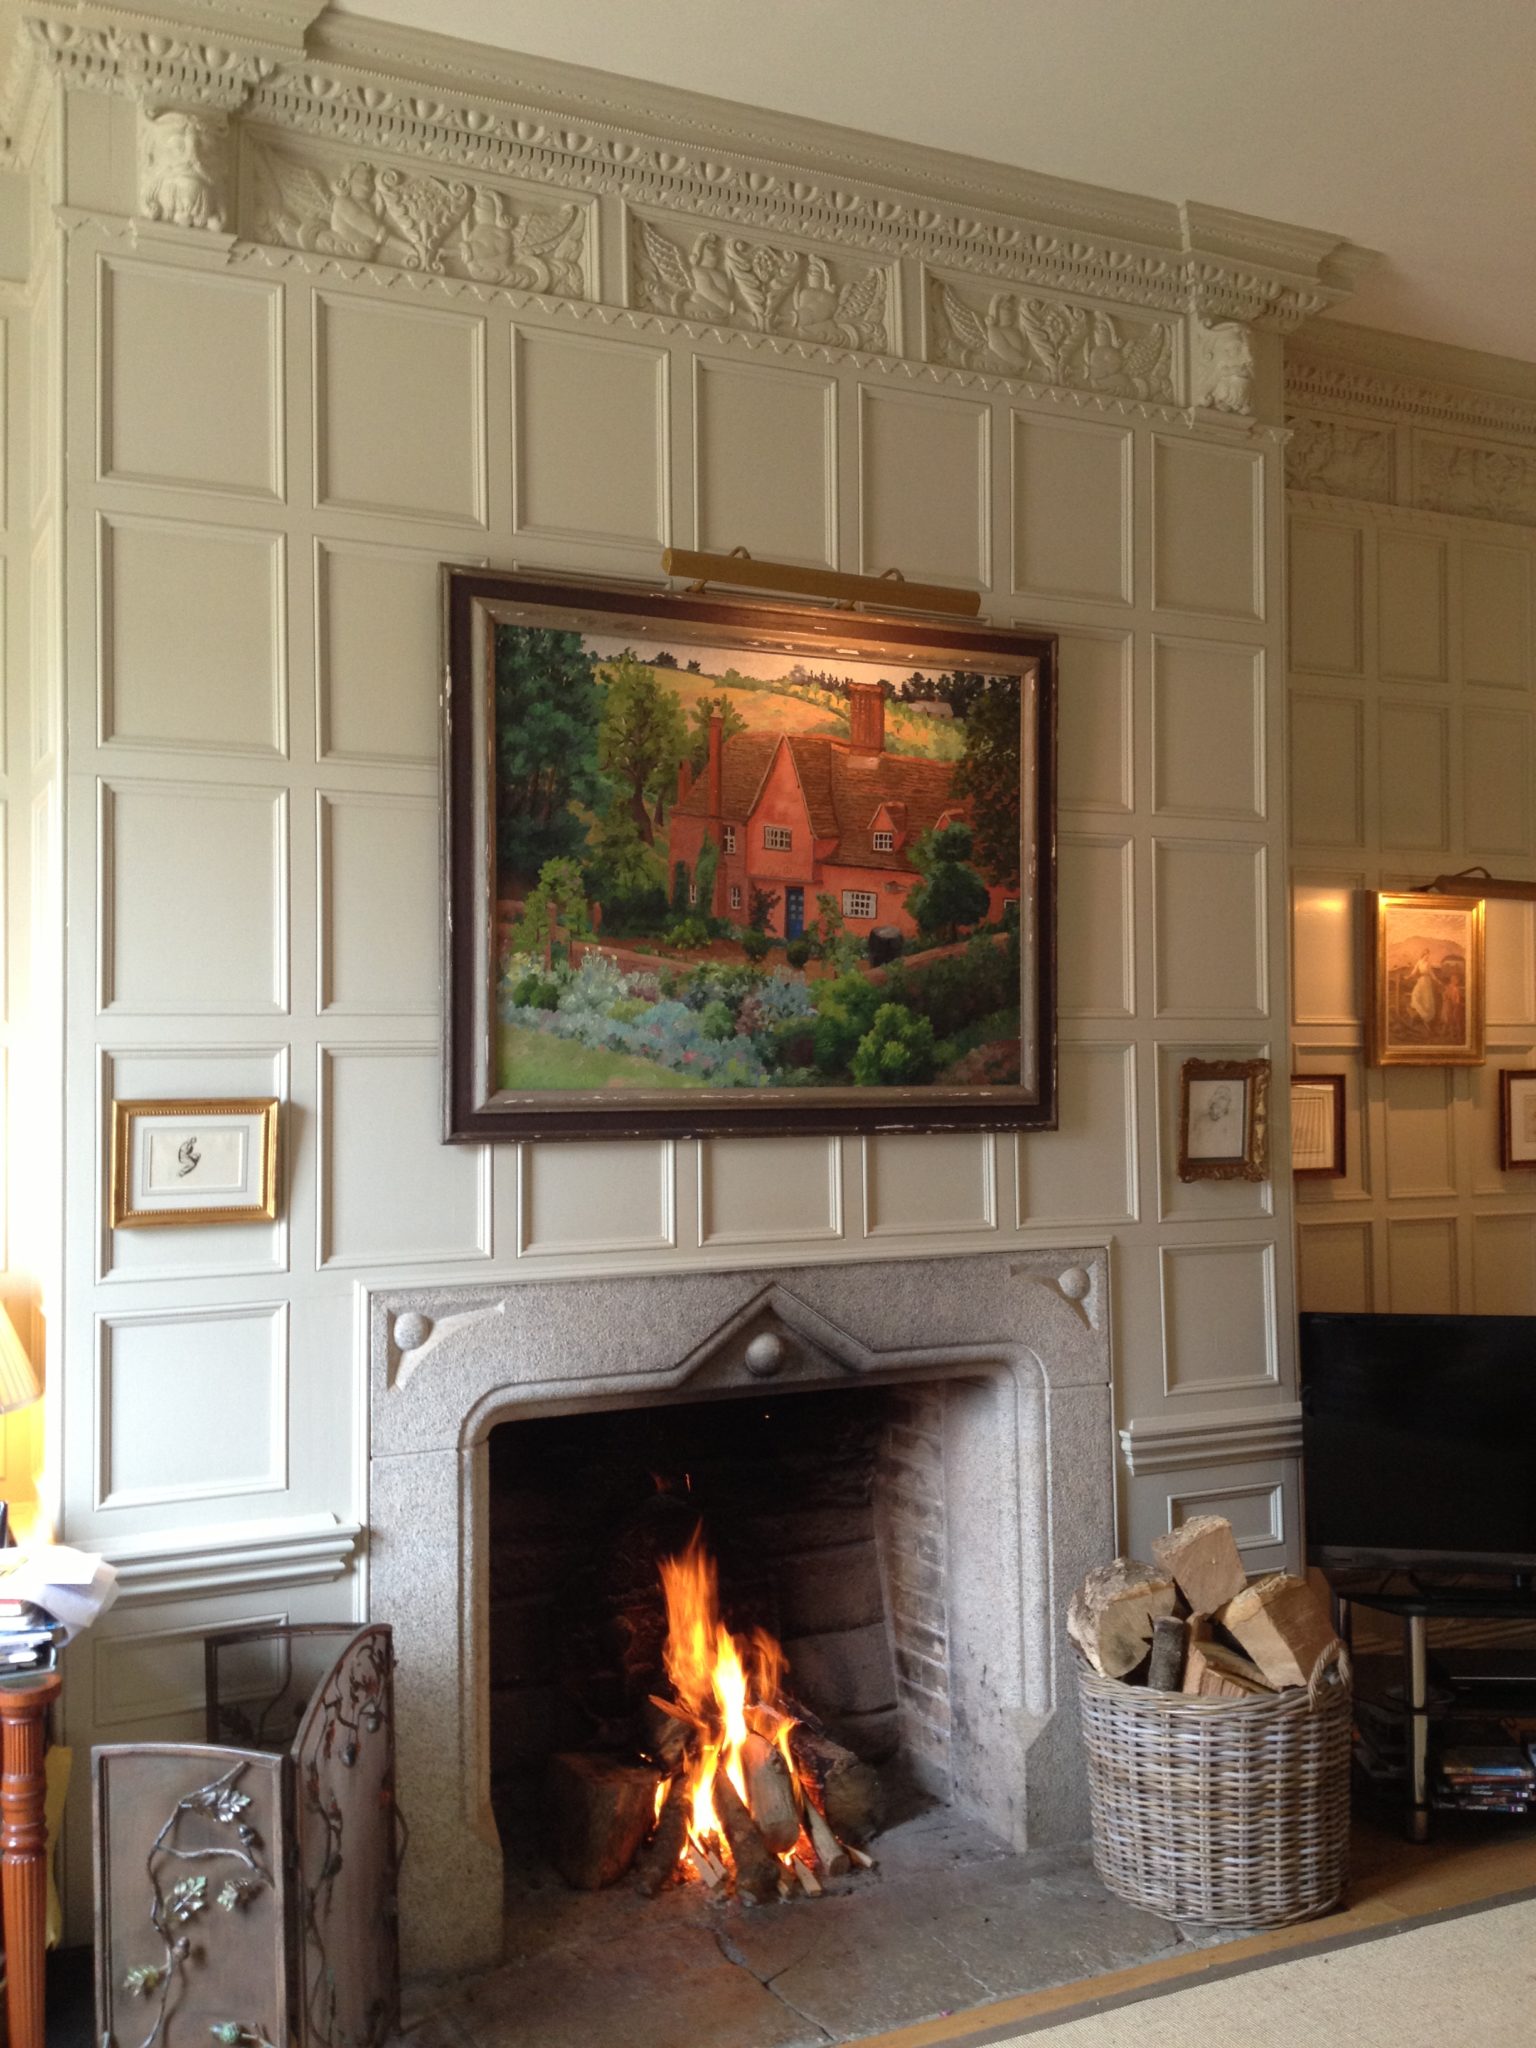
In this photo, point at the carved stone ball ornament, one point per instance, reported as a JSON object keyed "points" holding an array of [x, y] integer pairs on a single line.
{"points": [[184, 158], [1223, 366]]}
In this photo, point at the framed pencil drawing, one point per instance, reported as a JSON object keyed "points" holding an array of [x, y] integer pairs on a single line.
{"points": [[1425, 974], [1517, 1119], [1224, 1120], [719, 865], [193, 1162], [1317, 1126]]}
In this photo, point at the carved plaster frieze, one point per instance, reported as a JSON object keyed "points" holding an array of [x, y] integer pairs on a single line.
{"points": [[768, 287], [1221, 365], [147, 64], [387, 213], [1323, 383], [1476, 480], [1340, 458], [183, 166], [1054, 341]]}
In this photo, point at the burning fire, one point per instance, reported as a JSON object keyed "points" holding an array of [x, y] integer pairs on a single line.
{"points": [[729, 1688]]}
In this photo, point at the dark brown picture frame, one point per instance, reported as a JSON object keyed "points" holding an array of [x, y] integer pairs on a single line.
{"points": [[1517, 1151], [1224, 1120], [1332, 1086], [478, 1103]]}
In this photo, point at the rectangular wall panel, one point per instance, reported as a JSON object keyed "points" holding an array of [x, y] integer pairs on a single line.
{"points": [[749, 1195], [1218, 1317], [1410, 600], [591, 458], [193, 652], [1327, 604], [1095, 950], [1325, 949], [1211, 919], [1496, 615], [1421, 1265], [765, 462], [1415, 772], [1327, 770], [191, 380], [400, 410], [1208, 714], [192, 1403], [1496, 781], [1207, 531], [1504, 1265], [377, 654], [597, 1198], [1072, 509], [925, 487], [1334, 1268], [380, 907], [1421, 1156], [1509, 945], [1095, 735], [1085, 1170], [391, 1192], [929, 1186]]}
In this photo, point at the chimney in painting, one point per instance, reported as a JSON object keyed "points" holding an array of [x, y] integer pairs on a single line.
{"points": [[684, 780], [716, 741], [866, 718]]}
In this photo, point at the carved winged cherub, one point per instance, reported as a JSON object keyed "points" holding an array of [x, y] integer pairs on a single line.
{"points": [[531, 249], [694, 287], [853, 315]]}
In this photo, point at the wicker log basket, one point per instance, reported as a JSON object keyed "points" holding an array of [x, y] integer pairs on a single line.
{"points": [[1228, 1813]]}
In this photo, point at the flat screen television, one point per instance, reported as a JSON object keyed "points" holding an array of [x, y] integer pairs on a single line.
{"points": [[1419, 1440]]}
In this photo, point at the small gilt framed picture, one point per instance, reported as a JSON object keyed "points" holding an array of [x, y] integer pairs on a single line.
{"points": [[1224, 1120], [1426, 981], [193, 1162], [1317, 1126], [1517, 1119]]}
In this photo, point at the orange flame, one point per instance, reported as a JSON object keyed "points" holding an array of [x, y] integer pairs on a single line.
{"points": [[717, 1680]]}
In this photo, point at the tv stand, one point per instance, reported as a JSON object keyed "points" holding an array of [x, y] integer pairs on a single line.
{"points": [[1416, 1605]]}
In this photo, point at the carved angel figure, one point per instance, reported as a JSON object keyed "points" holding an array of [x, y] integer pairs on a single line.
{"points": [[181, 168], [695, 287], [1055, 342], [853, 315], [536, 250], [1224, 370]]}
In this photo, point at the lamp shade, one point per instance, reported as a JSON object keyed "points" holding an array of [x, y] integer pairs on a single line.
{"points": [[19, 1382]]}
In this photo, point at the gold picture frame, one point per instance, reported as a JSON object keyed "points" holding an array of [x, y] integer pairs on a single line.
{"points": [[1224, 1120], [1425, 980], [193, 1161]]}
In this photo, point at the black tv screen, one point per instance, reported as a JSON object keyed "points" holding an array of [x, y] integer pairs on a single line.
{"points": [[1419, 1439]]}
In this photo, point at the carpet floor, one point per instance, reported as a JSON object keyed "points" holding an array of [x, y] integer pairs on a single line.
{"points": [[1467, 1977]]}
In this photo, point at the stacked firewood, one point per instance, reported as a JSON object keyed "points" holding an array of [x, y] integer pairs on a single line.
{"points": [[1192, 1623]]}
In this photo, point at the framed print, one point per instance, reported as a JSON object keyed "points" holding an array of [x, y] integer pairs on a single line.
{"points": [[193, 1162], [1517, 1118], [1224, 1120], [718, 865], [1426, 980], [1317, 1126]]}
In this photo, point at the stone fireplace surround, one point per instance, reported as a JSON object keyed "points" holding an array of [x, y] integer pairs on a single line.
{"points": [[1020, 1340]]}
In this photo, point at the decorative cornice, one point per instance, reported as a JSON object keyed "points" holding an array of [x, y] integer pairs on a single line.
{"points": [[182, 1563], [1243, 1436], [1354, 370], [403, 92], [1404, 518]]}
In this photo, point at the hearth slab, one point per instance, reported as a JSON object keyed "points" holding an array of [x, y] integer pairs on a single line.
{"points": [[951, 1919]]}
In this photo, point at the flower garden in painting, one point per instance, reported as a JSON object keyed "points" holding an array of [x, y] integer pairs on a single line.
{"points": [[724, 870]]}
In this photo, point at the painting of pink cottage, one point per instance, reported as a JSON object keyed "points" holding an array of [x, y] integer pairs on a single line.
{"points": [[749, 861]]}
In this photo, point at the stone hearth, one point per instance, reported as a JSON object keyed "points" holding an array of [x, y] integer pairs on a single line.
{"points": [[1011, 1353]]}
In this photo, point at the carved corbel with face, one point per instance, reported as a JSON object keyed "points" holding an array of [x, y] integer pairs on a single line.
{"points": [[184, 166], [1222, 366]]}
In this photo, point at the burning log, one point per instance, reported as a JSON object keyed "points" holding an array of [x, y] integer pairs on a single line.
{"points": [[757, 1868], [658, 1859], [599, 1813], [830, 1853], [847, 1789], [770, 1794]]}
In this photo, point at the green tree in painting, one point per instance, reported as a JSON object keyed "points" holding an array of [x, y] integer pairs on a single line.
{"points": [[731, 722], [704, 876], [548, 713], [554, 912], [642, 739], [988, 777], [951, 894], [620, 867]]}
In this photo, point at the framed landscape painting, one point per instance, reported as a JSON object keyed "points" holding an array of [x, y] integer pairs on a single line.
{"points": [[1426, 980], [718, 865]]}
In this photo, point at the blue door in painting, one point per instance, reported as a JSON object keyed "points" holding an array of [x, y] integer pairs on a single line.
{"points": [[794, 913]]}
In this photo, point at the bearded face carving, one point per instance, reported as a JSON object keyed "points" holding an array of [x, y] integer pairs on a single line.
{"points": [[183, 168]]}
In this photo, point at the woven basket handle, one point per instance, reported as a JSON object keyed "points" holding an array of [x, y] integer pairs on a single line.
{"points": [[1332, 1656]]}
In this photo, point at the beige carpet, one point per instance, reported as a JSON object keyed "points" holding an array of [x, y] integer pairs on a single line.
{"points": [[1465, 1981]]}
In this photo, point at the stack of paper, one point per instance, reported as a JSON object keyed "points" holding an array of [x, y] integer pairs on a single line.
{"points": [[69, 1586]]}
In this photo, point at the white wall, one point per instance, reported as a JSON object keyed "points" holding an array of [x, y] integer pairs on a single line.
{"points": [[270, 450], [1412, 582]]}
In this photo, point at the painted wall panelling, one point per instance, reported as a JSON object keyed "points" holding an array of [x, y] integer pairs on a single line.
{"points": [[1411, 714], [382, 427]]}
